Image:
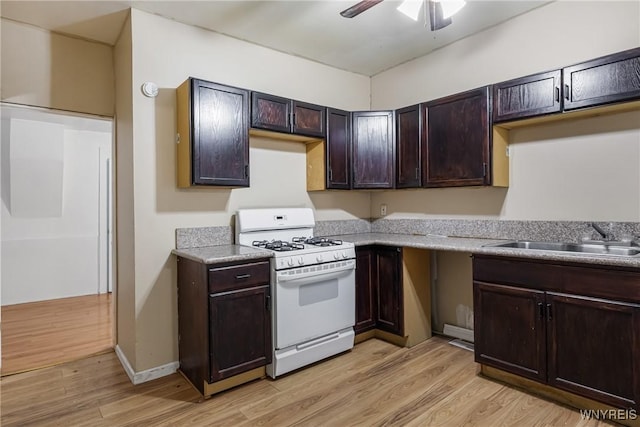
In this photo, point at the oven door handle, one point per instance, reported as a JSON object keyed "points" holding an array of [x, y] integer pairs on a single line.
{"points": [[314, 276]]}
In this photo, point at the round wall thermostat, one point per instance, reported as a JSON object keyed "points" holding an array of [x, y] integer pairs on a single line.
{"points": [[150, 89]]}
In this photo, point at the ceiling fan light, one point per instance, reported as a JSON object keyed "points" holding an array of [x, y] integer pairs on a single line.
{"points": [[411, 8], [451, 7]]}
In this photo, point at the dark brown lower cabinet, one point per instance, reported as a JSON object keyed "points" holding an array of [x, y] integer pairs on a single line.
{"points": [[379, 303], [570, 326], [239, 332], [365, 290], [224, 322], [389, 289], [508, 332], [593, 348]]}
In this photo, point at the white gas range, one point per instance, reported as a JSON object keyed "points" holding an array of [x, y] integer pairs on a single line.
{"points": [[312, 285]]}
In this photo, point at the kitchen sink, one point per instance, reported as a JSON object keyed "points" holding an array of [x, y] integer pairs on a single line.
{"points": [[588, 248]]}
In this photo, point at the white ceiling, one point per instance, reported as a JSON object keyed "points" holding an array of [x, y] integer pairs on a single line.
{"points": [[376, 40]]}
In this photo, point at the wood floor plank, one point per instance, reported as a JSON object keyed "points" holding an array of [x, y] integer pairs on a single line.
{"points": [[47, 333], [376, 383], [388, 396], [392, 404], [361, 387]]}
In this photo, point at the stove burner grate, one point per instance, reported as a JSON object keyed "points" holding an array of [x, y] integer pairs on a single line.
{"points": [[322, 241], [278, 245]]}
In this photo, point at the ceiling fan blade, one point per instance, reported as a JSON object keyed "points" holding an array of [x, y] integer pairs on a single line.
{"points": [[436, 16], [358, 8]]}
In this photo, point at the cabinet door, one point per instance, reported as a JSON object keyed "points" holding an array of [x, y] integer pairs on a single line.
{"points": [[220, 135], [338, 149], [408, 147], [594, 348], [239, 332], [604, 80], [509, 329], [308, 119], [457, 140], [389, 310], [527, 96], [365, 290], [373, 149], [270, 112]]}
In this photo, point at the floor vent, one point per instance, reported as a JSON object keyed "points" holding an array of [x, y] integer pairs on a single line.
{"points": [[462, 344], [458, 332]]}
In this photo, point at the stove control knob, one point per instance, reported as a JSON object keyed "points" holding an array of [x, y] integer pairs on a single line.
{"points": [[300, 260], [290, 262], [319, 258], [344, 254], [336, 255]]}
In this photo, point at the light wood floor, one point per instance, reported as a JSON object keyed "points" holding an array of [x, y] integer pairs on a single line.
{"points": [[377, 383], [46, 333]]}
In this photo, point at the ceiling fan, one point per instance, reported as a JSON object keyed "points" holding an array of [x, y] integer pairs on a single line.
{"points": [[440, 11]]}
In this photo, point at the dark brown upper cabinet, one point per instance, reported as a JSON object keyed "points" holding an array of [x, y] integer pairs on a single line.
{"points": [[527, 96], [338, 147], [408, 147], [604, 80], [270, 112], [213, 131], [284, 115], [373, 149], [457, 140], [308, 119]]}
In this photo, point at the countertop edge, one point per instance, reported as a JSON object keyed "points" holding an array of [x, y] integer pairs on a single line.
{"points": [[232, 253], [478, 246], [222, 253]]}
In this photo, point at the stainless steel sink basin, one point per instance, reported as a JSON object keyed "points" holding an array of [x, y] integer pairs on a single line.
{"points": [[596, 249]]}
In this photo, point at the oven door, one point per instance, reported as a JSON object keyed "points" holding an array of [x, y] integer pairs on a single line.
{"points": [[312, 302]]}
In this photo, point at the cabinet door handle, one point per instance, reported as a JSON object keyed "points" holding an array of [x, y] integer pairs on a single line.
{"points": [[549, 313], [557, 94], [566, 92], [293, 119], [243, 276], [330, 174], [268, 302], [246, 171], [417, 173], [541, 310]]}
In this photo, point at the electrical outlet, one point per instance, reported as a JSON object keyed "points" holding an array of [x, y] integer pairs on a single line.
{"points": [[383, 210]]}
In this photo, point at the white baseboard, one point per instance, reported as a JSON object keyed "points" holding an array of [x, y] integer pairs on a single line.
{"points": [[147, 375], [458, 332]]}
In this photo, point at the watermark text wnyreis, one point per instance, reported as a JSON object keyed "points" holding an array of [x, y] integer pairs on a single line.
{"points": [[609, 414]]}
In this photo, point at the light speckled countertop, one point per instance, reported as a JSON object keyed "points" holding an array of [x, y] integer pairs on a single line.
{"points": [[230, 253], [476, 246], [222, 253]]}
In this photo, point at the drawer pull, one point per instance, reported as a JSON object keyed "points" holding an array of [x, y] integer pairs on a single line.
{"points": [[541, 310], [242, 276]]}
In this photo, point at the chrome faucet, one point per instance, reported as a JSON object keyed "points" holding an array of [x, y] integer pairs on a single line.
{"points": [[605, 236]]}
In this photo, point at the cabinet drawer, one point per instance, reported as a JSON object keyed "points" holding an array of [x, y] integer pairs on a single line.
{"points": [[238, 276]]}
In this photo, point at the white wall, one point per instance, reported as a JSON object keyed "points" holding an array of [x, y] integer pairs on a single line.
{"points": [[582, 170], [45, 69], [125, 227], [50, 227], [277, 167]]}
